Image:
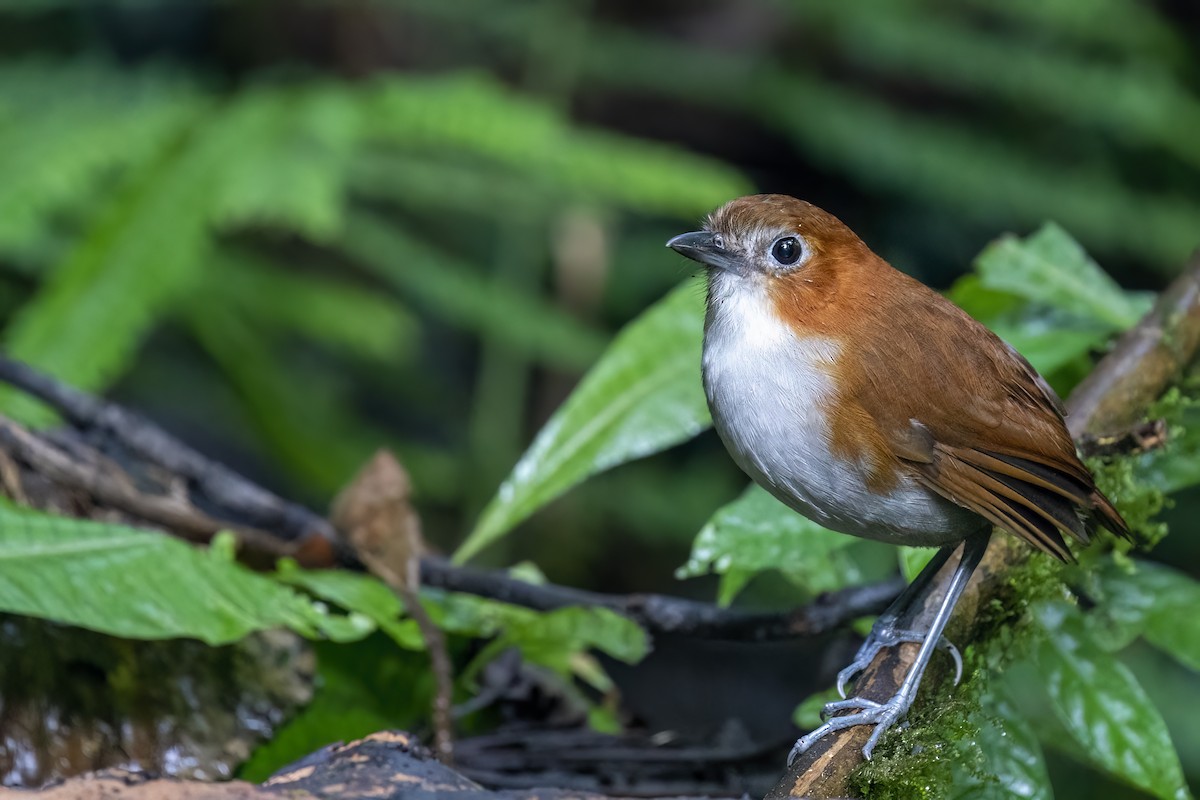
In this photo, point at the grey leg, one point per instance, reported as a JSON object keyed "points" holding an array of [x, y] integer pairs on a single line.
{"points": [[887, 630], [884, 715]]}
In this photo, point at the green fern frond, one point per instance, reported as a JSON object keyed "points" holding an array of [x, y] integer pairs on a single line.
{"points": [[942, 160], [453, 290], [1133, 101], [64, 126], [444, 182], [292, 171], [142, 251], [359, 320], [475, 115], [1125, 26]]}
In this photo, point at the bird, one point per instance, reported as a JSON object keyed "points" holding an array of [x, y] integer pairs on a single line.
{"points": [[869, 403]]}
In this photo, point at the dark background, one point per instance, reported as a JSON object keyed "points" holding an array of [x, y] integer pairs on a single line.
{"points": [[929, 126]]}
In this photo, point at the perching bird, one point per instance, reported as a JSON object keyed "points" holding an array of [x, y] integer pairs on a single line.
{"points": [[872, 405]]}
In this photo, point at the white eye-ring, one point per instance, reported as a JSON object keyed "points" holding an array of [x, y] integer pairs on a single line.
{"points": [[787, 250]]}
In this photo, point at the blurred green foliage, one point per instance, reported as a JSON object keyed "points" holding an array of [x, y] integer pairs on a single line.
{"points": [[421, 230]]}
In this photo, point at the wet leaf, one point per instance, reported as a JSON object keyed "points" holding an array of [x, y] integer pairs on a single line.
{"points": [[1050, 267], [643, 396], [756, 532], [139, 584], [550, 638], [1104, 708], [1012, 764], [1150, 600], [1048, 337], [362, 594]]}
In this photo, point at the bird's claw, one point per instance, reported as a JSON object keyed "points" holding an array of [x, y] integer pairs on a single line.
{"points": [[882, 715], [876, 641]]}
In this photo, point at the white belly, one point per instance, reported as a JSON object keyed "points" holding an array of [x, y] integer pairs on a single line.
{"points": [[767, 389]]}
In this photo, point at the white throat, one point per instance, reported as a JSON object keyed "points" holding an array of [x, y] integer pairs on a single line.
{"points": [[768, 389]]}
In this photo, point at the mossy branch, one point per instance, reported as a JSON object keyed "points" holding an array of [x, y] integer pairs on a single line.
{"points": [[1145, 362]]}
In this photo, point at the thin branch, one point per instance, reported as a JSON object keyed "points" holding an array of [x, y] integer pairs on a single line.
{"points": [[1145, 361], [1143, 364], [110, 485], [257, 515], [661, 614], [241, 498]]}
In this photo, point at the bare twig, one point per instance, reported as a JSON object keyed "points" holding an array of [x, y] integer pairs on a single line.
{"points": [[220, 485], [662, 614], [111, 486], [1144, 363], [1141, 438], [375, 512]]}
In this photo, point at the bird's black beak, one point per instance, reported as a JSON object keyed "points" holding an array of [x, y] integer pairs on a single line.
{"points": [[705, 247]]}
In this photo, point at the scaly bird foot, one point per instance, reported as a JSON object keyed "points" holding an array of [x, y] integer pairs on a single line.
{"points": [[881, 715], [888, 637]]}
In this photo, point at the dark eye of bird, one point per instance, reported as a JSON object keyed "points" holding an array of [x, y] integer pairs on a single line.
{"points": [[786, 251]]}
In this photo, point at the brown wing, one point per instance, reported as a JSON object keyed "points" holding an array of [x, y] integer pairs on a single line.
{"points": [[985, 431]]}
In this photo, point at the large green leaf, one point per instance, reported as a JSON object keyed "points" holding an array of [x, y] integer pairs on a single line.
{"points": [[643, 396], [1050, 267], [1146, 599], [1101, 703], [1012, 765], [139, 584], [756, 532]]}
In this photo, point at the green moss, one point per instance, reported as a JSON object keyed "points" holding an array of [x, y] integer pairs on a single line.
{"points": [[924, 759], [930, 756], [1138, 501]]}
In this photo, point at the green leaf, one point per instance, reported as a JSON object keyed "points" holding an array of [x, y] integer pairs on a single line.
{"points": [[361, 594], [643, 396], [1100, 702], [1050, 267], [1012, 762], [564, 630], [139, 584], [1146, 599], [1048, 337], [756, 532], [807, 715], [293, 172], [550, 638], [913, 560]]}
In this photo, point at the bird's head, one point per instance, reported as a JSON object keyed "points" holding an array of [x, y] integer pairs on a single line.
{"points": [[791, 257], [769, 235]]}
